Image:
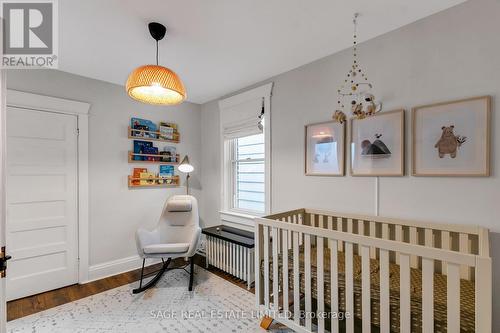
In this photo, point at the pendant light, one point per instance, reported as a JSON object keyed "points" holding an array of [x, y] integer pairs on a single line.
{"points": [[155, 84]]}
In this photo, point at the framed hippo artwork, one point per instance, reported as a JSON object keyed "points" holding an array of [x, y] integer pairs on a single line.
{"points": [[377, 144], [452, 138], [325, 149]]}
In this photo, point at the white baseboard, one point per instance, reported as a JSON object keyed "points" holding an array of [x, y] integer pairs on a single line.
{"points": [[118, 266]]}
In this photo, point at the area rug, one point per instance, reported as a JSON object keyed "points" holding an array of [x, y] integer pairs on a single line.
{"points": [[215, 305]]}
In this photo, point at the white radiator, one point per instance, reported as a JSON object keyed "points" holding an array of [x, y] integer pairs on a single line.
{"points": [[231, 258]]}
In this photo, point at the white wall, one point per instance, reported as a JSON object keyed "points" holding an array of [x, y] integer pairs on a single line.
{"points": [[115, 211], [450, 55]]}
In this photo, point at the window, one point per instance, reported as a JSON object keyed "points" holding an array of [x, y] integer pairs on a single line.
{"points": [[248, 174]]}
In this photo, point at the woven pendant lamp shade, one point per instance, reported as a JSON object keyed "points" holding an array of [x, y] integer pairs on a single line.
{"points": [[155, 84]]}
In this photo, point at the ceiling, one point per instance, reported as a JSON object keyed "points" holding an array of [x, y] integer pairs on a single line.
{"points": [[220, 46]]}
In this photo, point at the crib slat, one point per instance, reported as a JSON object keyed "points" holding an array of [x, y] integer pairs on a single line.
{"points": [[453, 298], [385, 323], [385, 231], [321, 285], [329, 220], [427, 295], [275, 245], [349, 226], [266, 266], [289, 233], [361, 227], [259, 281], [312, 220], [445, 245], [334, 292], [413, 240], [285, 272], [307, 271], [483, 287], [429, 238], [321, 221], [399, 237], [349, 287], [373, 233], [296, 280], [464, 246], [340, 227], [404, 298], [365, 288]]}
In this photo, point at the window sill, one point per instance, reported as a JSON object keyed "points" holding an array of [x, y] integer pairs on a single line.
{"points": [[237, 218]]}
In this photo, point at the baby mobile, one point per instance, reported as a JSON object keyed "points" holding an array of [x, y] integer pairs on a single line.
{"points": [[356, 89]]}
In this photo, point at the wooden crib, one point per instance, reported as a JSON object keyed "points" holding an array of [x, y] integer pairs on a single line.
{"points": [[377, 273]]}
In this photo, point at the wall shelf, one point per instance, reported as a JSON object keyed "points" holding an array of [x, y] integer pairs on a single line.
{"points": [[131, 135], [135, 182], [132, 160]]}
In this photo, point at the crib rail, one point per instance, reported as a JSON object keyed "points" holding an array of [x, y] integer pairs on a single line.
{"points": [[432, 248]]}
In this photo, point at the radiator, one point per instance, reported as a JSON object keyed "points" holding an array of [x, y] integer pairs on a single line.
{"points": [[231, 258]]}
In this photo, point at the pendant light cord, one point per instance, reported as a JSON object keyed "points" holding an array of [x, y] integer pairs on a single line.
{"points": [[156, 53]]}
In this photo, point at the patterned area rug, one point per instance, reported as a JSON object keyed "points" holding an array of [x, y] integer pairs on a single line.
{"points": [[215, 305]]}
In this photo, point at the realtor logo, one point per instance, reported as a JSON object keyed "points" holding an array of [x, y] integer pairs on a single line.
{"points": [[29, 33]]}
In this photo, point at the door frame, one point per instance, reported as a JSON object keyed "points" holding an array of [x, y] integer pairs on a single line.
{"points": [[35, 102]]}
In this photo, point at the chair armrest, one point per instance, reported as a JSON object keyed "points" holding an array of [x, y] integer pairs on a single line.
{"points": [[193, 244], [144, 238]]}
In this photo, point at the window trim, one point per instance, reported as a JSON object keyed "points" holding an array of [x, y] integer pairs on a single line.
{"points": [[226, 180]]}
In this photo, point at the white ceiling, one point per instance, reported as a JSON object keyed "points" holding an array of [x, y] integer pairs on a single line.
{"points": [[220, 46]]}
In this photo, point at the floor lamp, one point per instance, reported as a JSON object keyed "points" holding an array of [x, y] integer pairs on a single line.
{"points": [[186, 167]]}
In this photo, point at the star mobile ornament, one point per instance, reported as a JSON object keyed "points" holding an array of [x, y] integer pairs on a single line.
{"points": [[355, 91]]}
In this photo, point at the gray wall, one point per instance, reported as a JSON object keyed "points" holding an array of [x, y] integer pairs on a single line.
{"points": [[115, 211], [450, 55]]}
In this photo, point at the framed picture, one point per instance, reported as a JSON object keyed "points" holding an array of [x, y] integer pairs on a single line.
{"points": [[325, 149], [452, 138], [377, 144]]}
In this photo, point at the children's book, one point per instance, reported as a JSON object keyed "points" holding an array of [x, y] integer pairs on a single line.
{"points": [[167, 130], [167, 172], [151, 151], [139, 148], [146, 126], [147, 178], [169, 154], [137, 174], [166, 133]]}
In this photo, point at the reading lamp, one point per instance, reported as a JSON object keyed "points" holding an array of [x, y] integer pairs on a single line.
{"points": [[186, 167]]}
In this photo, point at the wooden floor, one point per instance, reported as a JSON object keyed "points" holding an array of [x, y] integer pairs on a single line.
{"points": [[36, 303]]}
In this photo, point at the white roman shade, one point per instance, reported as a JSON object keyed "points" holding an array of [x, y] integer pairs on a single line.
{"points": [[241, 119]]}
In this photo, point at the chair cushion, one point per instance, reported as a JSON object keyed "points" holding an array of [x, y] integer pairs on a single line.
{"points": [[166, 248], [179, 204]]}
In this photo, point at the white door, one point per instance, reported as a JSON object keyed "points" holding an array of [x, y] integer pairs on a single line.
{"points": [[41, 230]]}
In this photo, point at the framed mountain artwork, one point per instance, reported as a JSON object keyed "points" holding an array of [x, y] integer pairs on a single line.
{"points": [[452, 138], [325, 149], [377, 144]]}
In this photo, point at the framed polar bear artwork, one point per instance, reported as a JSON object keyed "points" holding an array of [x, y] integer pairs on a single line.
{"points": [[452, 138]]}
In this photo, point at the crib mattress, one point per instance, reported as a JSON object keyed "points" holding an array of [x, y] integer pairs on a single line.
{"points": [[440, 281]]}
